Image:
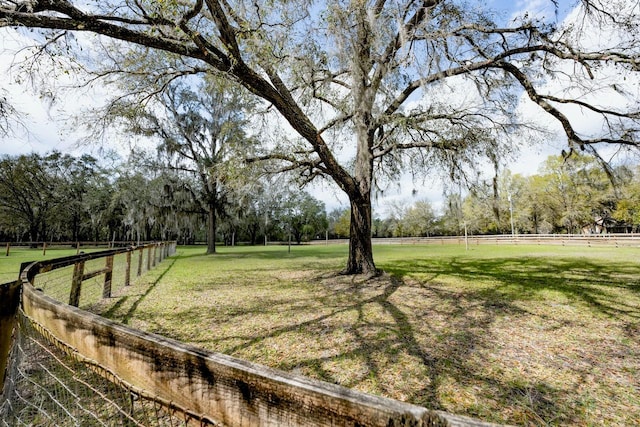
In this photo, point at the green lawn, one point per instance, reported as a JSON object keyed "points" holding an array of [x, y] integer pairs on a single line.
{"points": [[514, 334], [10, 265]]}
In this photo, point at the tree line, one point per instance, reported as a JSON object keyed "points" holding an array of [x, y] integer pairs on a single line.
{"points": [[574, 195], [59, 197]]}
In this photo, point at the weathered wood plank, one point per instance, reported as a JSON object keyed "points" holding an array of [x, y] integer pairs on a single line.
{"points": [[9, 301], [229, 390], [76, 284], [127, 269], [140, 261], [92, 274], [108, 277]]}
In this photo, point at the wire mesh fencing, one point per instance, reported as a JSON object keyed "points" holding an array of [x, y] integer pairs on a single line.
{"points": [[50, 384], [85, 282]]}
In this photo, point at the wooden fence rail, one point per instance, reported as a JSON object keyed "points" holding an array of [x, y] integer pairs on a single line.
{"points": [[612, 240], [77, 245], [204, 384]]}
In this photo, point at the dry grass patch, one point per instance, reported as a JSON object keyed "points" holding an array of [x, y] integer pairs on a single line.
{"points": [[531, 336]]}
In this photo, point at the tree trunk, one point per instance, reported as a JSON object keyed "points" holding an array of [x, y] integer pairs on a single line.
{"points": [[253, 232], [211, 229], [360, 250], [33, 232]]}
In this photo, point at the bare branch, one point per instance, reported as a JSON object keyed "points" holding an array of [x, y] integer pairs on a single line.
{"points": [[572, 135]]}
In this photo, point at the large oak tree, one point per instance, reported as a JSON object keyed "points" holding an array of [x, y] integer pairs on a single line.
{"points": [[200, 129], [406, 83]]}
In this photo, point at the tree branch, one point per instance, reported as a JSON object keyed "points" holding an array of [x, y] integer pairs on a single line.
{"points": [[572, 136]]}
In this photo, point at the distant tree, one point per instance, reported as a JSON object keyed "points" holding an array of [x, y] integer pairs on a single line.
{"points": [[627, 212], [27, 194], [146, 205], [200, 125], [383, 227], [305, 216], [97, 201], [542, 205], [479, 210], [578, 187], [512, 201], [76, 179], [339, 222], [396, 211], [419, 219], [627, 208], [452, 219], [257, 201]]}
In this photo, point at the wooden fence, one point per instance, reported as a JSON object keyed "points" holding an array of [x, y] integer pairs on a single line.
{"points": [[77, 245], [208, 386], [611, 240]]}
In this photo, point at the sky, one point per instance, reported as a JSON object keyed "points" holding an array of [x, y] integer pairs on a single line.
{"points": [[43, 130]]}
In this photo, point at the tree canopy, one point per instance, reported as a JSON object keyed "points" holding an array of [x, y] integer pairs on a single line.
{"points": [[402, 84], [60, 198]]}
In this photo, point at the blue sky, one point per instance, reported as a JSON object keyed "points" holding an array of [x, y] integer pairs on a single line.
{"points": [[47, 135], [535, 7]]}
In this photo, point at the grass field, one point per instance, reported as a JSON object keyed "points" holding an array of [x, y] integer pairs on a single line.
{"points": [[512, 334], [10, 265]]}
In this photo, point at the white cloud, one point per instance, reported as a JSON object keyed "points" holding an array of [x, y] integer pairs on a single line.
{"points": [[46, 133], [534, 9], [604, 89]]}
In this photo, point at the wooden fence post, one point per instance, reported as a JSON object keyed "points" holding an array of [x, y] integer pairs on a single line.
{"points": [[108, 275], [9, 301], [149, 255], [140, 262], [44, 248], [8, 247], [76, 284], [127, 270], [155, 250]]}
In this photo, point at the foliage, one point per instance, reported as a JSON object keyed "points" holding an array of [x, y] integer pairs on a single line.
{"points": [[62, 198], [339, 223], [420, 86], [9, 116], [627, 209], [200, 129], [305, 215], [569, 195], [43, 197]]}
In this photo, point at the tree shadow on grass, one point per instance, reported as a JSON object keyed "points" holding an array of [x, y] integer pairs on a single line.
{"points": [[120, 302], [600, 287], [409, 335], [520, 289]]}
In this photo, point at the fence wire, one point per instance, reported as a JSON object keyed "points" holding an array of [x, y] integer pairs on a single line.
{"points": [[48, 383], [57, 283]]}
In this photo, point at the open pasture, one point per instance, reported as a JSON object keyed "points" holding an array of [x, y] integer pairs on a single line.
{"points": [[531, 335], [10, 265]]}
